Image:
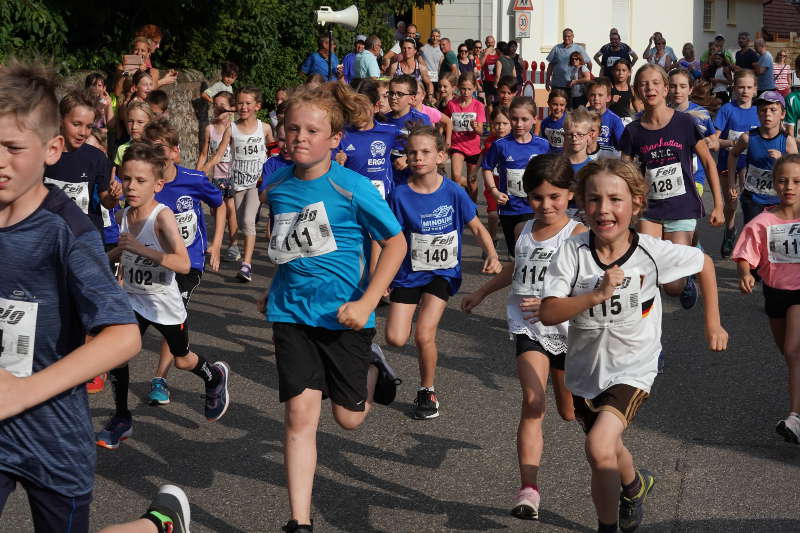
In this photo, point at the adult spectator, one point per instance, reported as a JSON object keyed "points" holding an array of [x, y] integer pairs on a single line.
{"points": [[450, 62], [490, 47], [517, 59], [719, 41], [613, 52], [652, 46], [317, 62], [505, 65], [407, 63], [660, 55], [153, 33], [465, 62], [690, 62], [400, 30], [718, 73], [367, 60], [411, 33], [558, 66], [433, 56], [764, 67], [349, 61], [782, 71], [746, 57]]}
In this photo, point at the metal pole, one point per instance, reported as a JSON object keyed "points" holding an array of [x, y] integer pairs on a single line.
{"points": [[330, 51]]}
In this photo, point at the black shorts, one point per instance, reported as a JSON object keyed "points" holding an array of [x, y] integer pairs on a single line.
{"points": [[523, 344], [470, 159], [778, 301], [622, 400], [50, 510], [508, 223], [490, 91], [187, 283], [335, 362], [438, 287], [176, 335], [224, 185]]}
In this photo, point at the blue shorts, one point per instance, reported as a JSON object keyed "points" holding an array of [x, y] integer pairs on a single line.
{"points": [[51, 511], [670, 226]]}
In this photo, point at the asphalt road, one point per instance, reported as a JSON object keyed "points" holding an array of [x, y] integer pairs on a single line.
{"points": [[707, 432]]}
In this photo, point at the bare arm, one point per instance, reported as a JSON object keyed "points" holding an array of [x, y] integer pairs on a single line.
{"points": [[598, 58], [202, 158], [223, 146], [216, 242], [491, 264], [716, 336], [703, 153]]}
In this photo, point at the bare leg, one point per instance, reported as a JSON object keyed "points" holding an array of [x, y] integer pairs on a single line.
{"points": [[431, 310], [300, 450], [611, 463], [532, 370]]}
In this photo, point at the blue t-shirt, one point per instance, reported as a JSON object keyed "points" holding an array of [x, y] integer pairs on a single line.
{"points": [[184, 195], [577, 166], [348, 67], [402, 123], [271, 166], [732, 121], [553, 131], [442, 213], [511, 158], [43, 318], [369, 153], [766, 80], [83, 174], [320, 239], [611, 128], [316, 64], [760, 164], [705, 126]]}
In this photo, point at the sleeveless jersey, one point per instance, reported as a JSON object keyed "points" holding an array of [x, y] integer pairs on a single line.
{"points": [[417, 73], [249, 154], [223, 168], [759, 166]]}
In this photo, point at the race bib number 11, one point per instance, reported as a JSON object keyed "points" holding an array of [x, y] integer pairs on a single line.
{"points": [[784, 243], [304, 234], [17, 336]]}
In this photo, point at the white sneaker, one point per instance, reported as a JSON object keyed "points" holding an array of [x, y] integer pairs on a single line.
{"points": [[789, 428], [232, 254], [526, 506]]}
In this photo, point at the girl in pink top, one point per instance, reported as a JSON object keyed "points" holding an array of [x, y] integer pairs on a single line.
{"points": [[468, 116], [441, 122], [771, 243]]}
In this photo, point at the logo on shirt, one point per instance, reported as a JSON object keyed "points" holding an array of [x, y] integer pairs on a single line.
{"points": [[350, 148], [439, 219], [509, 158], [377, 148], [184, 203]]}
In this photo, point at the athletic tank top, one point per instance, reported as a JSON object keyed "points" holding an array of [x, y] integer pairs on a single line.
{"points": [[152, 289], [249, 155], [759, 166], [223, 168], [489, 69], [531, 259], [621, 107], [417, 73]]}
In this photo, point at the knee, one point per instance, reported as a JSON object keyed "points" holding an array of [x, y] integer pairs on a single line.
{"points": [[600, 454], [533, 406], [183, 363], [424, 338], [396, 338], [347, 419]]}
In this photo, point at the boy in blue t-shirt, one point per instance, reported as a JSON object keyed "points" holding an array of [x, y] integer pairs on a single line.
{"points": [[402, 91], [46, 433], [598, 91]]}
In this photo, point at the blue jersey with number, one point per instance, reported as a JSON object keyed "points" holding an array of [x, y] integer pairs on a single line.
{"points": [[553, 131], [508, 154], [369, 153], [758, 156], [611, 128], [184, 196], [320, 239], [732, 121], [432, 224]]}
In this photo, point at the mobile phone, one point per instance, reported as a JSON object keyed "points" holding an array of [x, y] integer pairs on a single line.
{"points": [[130, 63]]}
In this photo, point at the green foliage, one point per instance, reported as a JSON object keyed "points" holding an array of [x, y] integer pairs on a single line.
{"points": [[268, 39]]}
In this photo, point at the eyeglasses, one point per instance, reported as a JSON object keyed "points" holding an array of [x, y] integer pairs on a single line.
{"points": [[577, 134], [476, 47], [398, 94], [462, 51]]}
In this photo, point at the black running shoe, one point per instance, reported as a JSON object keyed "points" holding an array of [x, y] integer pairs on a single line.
{"points": [[171, 508], [386, 386], [426, 406], [728, 242], [292, 526], [631, 510]]}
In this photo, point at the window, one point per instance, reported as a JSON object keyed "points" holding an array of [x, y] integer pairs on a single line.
{"points": [[708, 15], [730, 15]]}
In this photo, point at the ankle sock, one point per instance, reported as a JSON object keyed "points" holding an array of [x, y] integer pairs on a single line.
{"points": [[207, 373], [158, 519], [534, 487], [634, 488], [431, 389], [120, 379], [606, 528]]}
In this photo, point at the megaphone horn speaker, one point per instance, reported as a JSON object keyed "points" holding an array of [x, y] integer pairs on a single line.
{"points": [[346, 17]]}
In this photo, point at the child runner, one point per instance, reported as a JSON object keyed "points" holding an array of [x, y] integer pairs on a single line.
{"points": [[763, 146], [151, 252], [593, 146], [442, 122], [577, 134], [402, 91], [448, 84], [56, 288], [322, 298], [733, 119], [553, 124], [501, 126], [184, 191], [664, 142], [507, 89], [771, 243], [606, 283], [624, 102], [433, 212], [511, 155], [468, 117], [598, 91], [540, 349]]}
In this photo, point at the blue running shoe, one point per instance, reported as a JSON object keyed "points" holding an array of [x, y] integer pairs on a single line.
{"points": [[115, 431], [217, 398], [159, 392], [689, 294], [631, 510]]}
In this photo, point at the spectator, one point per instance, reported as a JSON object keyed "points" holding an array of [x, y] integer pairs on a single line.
{"points": [[558, 64], [154, 35], [229, 72], [400, 30], [317, 62], [506, 64], [746, 57], [407, 63], [612, 52], [450, 62], [465, 62], [517, 59], [433, 57], [367, 61], [719, 41], [662, 55], [782, 71], [579, 76], [718, 73], [349, 61], [764, 67], [690, 62], [490, 47], [411, 33]]}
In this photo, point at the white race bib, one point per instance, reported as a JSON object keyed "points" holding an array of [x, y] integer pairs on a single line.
{"points": [[514, 182], [434, 252], [142, 275], [611, 60], [187, 226], [17, 336], [733, 136], [304, 234], [77, 192], [381, 187], [529, 271], [759, 181], [555, 137], [624, 306], [462, 121], [784, 243], [665, 182], [106, 214]]}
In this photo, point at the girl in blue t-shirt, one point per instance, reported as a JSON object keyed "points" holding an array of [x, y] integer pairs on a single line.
{"points": [[553, 125], [433, 212]]}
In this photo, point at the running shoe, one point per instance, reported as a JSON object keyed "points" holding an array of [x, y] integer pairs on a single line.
{"points": [[526, 506], [689, 294], [115, 431], [217, 398], [728, 242], [232, 254], [426, 406], [171, 507], [159, 392], [789, 428], [97, 384], [245, 272], [661, 362], [386, 386], [631, 510], [292, 526]]}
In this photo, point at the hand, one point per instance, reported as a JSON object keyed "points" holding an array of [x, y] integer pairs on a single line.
{"points": [[471, 301], [474, 125], [717, 217], [530, 308], [717, 338], [401, 163], [341, 157], [547, 86], [129, 243], [712, 143], [115, 189], [733, 192], [746, 283], [492, 265], [615, 98], [261, 302], [572, 83], [501, 197], [774, 154], [213, 260], [354, 314], [612, 279], [12, 391]]}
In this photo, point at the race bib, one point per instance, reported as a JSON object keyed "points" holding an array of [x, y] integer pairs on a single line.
{"points": [[624, 306], [106, 214], [514, 182], [490, 69], [555, 137], [381, 187], [434, 252], [463, 121], [529, 271], [187, 226], [784, 243], [759, 181], [304, 234], [665, 182], [611, 60], [17, 336], [143, 275], [77, 192]]}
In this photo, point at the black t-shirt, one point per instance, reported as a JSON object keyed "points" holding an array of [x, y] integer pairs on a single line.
{"points": [[747, 58], [621, 107], [609, 57]]}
